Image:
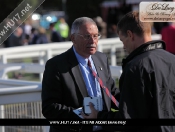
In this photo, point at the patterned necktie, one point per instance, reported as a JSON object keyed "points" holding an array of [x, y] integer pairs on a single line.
{"points": [[102, 86]]}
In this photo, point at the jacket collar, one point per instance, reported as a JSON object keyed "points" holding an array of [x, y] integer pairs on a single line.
{"points": [[78, 76], [76, 72], [151, 45]]}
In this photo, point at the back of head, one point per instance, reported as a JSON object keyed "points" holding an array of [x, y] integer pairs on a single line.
{"points": [[62, 20], [33, 30], [41, 30], [131, 22], [51, 24], [79, 22], [18, 31]]}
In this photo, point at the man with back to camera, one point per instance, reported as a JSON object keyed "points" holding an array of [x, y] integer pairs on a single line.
{"points": [[67, 77], [147, 85]]}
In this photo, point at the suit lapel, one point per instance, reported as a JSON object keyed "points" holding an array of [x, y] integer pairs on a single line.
{"points": [[100, 73], [77, 73]]}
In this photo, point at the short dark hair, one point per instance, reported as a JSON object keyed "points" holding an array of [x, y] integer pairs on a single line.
{"points": [[131, 22], [33, 29], [51, 24]]}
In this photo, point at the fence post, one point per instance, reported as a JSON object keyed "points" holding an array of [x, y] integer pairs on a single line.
{"points": [[113, 55], [48, 55], [2, 128], [46, 128], [4, 59], [100, 48], [41, 62]]}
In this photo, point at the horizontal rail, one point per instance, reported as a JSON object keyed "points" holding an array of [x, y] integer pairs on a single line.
{"points": [[18, 91], [51, 49]]}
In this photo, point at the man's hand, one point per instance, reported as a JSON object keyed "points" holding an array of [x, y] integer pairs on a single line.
{"points": [[93, 114]]}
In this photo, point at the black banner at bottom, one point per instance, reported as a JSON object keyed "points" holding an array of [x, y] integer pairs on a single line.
{"points": [[128, 122]]}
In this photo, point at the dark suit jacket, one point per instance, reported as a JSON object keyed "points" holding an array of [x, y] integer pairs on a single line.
{"points": [[63, 87], [56, 37]]}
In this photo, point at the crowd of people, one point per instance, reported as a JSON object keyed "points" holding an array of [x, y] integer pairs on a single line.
{"points": [[26, 34]]}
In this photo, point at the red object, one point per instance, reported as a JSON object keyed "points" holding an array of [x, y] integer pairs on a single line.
{"points": [[102, 86], [168, 35]]}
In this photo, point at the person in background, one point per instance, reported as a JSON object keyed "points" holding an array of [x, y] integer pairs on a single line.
{"points": [[6, 43], [41, 38], [26, 40], [168, 35], [62, 27], [33, 36], [68, 78], [101, 26], [147, 85], [27, 27], [16, 38], [55, 36], [112, 31]]}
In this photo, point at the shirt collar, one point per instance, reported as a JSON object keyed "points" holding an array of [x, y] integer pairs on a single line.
{"points": [[81, 59]]}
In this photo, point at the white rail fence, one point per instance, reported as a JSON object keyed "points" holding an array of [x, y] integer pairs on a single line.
{"points": [[12, 91], [43, 52], [21, 99]]}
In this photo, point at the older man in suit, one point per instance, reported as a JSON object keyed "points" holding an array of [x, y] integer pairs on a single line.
{"points": [[68, 79]]}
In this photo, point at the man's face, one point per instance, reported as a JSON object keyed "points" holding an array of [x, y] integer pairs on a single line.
{"points": [[127, 42], [85, 42]]}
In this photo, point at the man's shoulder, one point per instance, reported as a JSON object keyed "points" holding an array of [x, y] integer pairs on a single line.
{"points": [[148, 58], [138, 61], [59, 58], [99, 54]]}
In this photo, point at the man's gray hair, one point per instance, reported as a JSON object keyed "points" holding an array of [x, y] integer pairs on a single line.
{"points": [[79, 22]]}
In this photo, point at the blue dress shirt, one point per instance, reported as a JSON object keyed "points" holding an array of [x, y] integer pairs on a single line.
{"points": [[92, 85]]}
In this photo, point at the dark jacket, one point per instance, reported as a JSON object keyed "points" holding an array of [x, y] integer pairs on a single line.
{"points": [[41, 39], [15, 41], [63, 87], [56, 37], [147, 87]]}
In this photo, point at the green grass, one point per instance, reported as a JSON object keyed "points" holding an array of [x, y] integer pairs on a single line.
{"points": [[117, 82], [23, 76]]}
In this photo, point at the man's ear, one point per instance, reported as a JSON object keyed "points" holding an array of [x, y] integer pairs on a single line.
{"points": [[72, 37], [130, 34]]}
